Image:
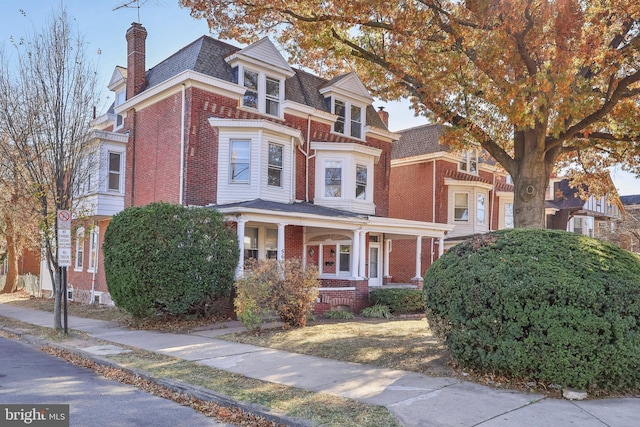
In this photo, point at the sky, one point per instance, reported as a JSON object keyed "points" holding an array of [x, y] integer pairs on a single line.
{"points": [[103, 24]]}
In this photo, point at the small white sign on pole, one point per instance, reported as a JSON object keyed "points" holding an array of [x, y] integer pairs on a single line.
{"points": [[64, 238], [64, 257]]}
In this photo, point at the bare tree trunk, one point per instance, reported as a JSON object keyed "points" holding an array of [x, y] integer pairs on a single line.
{"points": [[532, 178], [11, 285]]}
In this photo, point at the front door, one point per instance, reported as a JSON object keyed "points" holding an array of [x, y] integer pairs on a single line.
{"points": [[375, 274]]}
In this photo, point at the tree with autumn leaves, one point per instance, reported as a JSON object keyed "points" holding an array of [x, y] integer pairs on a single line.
{"points": [[538, 84]]}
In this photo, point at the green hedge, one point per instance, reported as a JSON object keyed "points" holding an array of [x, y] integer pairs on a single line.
{"points": [[168, 259], [544, 305], [399, 300]]}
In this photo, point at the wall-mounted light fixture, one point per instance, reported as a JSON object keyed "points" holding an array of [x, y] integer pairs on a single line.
{"points": [[332, 252], [311, 252]]}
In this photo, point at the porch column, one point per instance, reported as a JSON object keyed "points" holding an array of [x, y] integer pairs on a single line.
{"points": [[385, 261], [441, 247], [355, 253], [363, 254], [418, 256], [281, 241], [240, 267]]}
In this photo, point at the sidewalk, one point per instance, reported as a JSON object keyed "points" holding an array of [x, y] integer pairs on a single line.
{"points": [[415, 399]]}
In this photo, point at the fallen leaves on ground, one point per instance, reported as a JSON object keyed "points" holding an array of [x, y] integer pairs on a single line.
{"points": [[221, 413]]}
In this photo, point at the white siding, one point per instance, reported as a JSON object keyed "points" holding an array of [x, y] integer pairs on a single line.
{"points": [[257, 187]]}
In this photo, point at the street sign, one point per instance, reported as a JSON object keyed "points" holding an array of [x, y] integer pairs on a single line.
{"points": [[64, 238], [64, 257], [64, 220]]}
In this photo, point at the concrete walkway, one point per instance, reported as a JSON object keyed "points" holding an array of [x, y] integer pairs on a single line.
{"points": [[415, 399]]}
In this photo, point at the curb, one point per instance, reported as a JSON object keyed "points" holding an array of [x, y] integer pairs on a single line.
{"points": [[197, 392]]}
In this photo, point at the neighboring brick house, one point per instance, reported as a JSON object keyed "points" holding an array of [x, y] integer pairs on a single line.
{"points": [[298, 164], [431, 183], [566, 210], [630, 226]]}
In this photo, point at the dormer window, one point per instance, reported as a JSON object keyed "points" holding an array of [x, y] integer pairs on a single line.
{"points": [[121, 97], [262, 92], [349, 121], [469, 162]]}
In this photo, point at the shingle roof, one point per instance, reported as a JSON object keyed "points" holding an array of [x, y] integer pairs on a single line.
{"points": [[418, 141], [568, 197], [630, 200], [297, 208], [207, 55]]}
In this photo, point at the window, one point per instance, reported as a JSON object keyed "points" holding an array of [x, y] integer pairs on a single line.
{"points": [[240, 162], [361, 182], [271, 243], [480, 214], [356, 122], [121, 97], [508, 215], [79, 249], [114, 172], [250, 243], [461, 207], [273, 97], [349, 121], [577, 225], [250, 81], [333, 179], [344, 259], [93, 251], [275, 165], [469, 162], [341, 111]]}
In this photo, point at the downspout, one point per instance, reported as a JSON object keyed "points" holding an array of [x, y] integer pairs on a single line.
{"points": [[493, 203], [95, 269], [182, 121], [433, 205]]}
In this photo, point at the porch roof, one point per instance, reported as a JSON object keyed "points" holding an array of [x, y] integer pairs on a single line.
{"points": [[312, 215]]}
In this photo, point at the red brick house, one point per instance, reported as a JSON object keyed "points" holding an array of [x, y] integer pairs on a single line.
{"points": [[299, 165], [430, 182]]}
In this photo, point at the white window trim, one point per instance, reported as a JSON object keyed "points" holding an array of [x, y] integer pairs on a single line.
{"points": [[262, 91], [230, 177], [347, 117], [92, 265], [79, 255], [467, 158], [120, 172]]}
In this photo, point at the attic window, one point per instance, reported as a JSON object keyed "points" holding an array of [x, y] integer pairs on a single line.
{"points": [[250, 81], [469, 162], [349, 120]]}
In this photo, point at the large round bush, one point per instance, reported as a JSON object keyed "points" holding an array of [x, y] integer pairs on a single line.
{"points": [[168, 259], [543, 305]]}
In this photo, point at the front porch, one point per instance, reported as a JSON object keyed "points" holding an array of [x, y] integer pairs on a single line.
{"points": [[351, 250]]}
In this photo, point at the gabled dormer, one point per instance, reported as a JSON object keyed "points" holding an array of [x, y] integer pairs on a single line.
{"points": [[348, 99], [262, 71], [118, 85]]}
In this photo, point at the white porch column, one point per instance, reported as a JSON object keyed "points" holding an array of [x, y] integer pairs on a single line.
{"points": [[240, 267], [281, 241], [441, 246], [363, 254], [355, 253], [418, 256], [385, 261]]}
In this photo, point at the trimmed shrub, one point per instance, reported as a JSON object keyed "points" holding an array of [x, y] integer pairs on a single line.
{"points": [[543, 305], [399, 300], [168, 259], [286, 288]]}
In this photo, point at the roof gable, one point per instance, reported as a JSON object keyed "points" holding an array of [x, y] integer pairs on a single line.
{"points": [[264, 54], [119, 77], [349, 86]]}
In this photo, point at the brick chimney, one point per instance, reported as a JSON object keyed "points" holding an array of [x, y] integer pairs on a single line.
{"points": [[384, 116], [136, 72]]}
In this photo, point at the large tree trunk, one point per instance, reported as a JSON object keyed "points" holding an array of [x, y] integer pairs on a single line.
{"points": [[532, 179], [11, 285]]}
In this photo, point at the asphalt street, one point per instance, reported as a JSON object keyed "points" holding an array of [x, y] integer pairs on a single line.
{"points": [[28, 376]]}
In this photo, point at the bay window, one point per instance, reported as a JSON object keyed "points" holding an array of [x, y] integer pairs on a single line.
{"points": [[461, 207], [333, 179], [240, 162]]}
